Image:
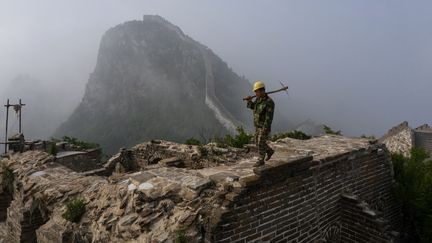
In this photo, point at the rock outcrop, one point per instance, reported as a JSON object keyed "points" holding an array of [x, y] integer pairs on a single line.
{"points": [[152, 81], [165, 192]]}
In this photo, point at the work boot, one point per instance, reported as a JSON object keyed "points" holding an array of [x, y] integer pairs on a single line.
{"points": [[269, 154], [259, 163]]}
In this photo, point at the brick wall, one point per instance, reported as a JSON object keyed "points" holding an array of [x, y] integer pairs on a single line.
{"points": [[14, 217], [301, 201], [423, 139], [82, 161], [360, 223], [23, 220], [5, 201]]}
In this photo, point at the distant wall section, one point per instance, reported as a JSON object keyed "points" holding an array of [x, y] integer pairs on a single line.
{"points": [[402, 138]]}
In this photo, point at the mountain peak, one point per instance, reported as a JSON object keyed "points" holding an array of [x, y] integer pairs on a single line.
{"points": [[151, 81], [155, 18]]}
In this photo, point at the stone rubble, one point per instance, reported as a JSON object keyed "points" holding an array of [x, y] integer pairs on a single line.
{"points": [[147, 198], [159, 153]]}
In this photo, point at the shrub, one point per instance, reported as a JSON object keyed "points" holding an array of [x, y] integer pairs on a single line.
{"points": [[328, 130], [293, 134], [74, 210], [52, 149], [371, 137], [55, 140], [79, 143], [203, 150], [7, 179], [181, 237], [414, 190], [216, 152], [238, 141], [220, 142], [193, 141]]}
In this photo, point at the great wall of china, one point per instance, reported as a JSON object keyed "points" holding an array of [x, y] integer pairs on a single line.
{"points": [[326, 189]]}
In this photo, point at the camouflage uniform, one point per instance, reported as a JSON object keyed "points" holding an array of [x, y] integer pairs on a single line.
{"points": [[263, 109]]}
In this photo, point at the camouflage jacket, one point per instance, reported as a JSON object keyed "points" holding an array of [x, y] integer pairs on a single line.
{"points": [[263, 109]]}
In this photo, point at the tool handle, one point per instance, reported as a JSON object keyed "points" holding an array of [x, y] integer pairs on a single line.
{"points": [[246, 98], [279, 90], [271, 92]]}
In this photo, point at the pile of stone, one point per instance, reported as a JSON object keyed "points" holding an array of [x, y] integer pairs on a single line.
{"points": [[158, 153], [155, 201]]}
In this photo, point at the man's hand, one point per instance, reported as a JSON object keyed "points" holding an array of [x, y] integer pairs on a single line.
{"points": [[249, 98]]}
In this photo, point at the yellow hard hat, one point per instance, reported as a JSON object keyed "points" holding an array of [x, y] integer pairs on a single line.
{"points": [[258, 85]]}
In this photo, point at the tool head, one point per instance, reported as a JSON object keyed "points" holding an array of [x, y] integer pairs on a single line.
{"points": [[284, 87]]}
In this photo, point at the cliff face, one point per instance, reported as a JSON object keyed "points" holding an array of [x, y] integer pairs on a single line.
{"points": [[152, 81]]}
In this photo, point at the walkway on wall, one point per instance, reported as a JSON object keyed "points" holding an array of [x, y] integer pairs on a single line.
{"points": [[221, 113]]}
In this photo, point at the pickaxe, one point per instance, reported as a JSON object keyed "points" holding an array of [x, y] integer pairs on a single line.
{"points": [[284, 88]]}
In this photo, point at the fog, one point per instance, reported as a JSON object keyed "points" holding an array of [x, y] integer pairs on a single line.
{"points": [[358, 66]]}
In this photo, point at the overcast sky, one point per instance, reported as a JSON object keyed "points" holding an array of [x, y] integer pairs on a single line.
{"points": [[361, 66]]}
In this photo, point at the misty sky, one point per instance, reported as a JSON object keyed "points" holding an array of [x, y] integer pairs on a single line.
{"points": [[361, 66]]}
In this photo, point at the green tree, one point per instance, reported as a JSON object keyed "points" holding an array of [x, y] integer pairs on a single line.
{"points": [[52, 149], [237, 141], [181, 237], [79, 143], [293, 134], [74, 210], [414, 190], [8, 179], [328, 130], [193, 141]]}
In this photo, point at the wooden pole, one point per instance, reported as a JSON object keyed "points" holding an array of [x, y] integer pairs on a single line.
{"points": [[8, 105], [7, 121], [20, 105], [271, 92]]}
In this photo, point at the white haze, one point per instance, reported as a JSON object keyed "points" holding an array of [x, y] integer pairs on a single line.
{"points": [[359, 66]]}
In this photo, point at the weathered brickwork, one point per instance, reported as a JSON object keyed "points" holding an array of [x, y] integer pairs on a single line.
{"points": [[80, 161], [22, 221], [359, 223], [5, 201], [423, 139], [14, 217], [301, 201]]}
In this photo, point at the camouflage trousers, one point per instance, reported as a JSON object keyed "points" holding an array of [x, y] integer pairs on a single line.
{"points": [[261, 136]]}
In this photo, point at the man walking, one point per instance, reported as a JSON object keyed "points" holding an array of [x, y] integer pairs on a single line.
{"points": [[263, 109]]}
